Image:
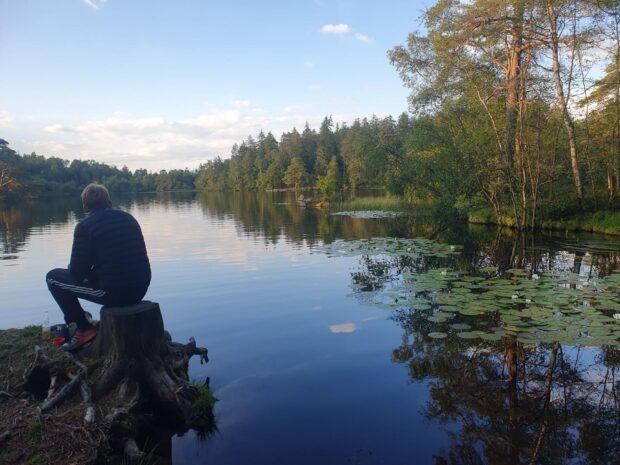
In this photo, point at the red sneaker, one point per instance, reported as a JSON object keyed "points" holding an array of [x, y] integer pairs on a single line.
{"points": [[79, 339]]}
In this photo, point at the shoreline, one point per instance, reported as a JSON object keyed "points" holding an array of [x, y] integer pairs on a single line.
{"points": [[601, 222]]}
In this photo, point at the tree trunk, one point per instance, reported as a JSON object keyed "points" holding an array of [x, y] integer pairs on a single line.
{"points": [[562, 101], [513, 84], [141, 361]]}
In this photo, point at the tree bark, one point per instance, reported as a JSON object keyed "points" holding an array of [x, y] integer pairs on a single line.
{"points": [[562, 100], [513, 83]]}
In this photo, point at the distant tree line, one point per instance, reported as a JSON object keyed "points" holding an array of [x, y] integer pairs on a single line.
{"points": [[359, 155], [35, 174]]}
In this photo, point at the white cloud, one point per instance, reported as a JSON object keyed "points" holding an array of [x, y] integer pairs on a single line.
{"points": [[314, 87], [335, 28], [6, 120], [343, 328], [291, 108], [345, 31], [158, 143], [92, 4], [362, 38], [240, 103]]}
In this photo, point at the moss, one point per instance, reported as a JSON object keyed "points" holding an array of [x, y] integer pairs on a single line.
{"points": [[205, 400]]}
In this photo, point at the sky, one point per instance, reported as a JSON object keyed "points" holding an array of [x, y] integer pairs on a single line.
{"points": [[171, 84]]}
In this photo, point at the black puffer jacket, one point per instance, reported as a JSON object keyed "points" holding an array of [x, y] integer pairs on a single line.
{"points": [[108, 250]]}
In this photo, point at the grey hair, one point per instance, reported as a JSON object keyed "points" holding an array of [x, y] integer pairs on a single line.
{"points": [[95, 196]]}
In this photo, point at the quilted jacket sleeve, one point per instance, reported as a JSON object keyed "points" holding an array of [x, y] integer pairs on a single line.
{"points": [[81, 253]]}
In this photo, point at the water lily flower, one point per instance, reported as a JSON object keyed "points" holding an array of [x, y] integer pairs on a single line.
{"points": [[535, 276], [514, 296], [617, 316]]}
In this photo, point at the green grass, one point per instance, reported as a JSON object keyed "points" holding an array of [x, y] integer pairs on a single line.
{"points": [[36, 431], [486, 216], [603, 222], [205, 400], [16, 346], [374, 203]]}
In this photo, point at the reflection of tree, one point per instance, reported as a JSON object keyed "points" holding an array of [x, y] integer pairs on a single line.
{"points": [[509, 403], [276, 216], [17, 220], [515, 404]]}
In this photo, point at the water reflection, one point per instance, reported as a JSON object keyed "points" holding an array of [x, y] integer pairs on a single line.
{"points": [[274, 216], [514, 403], [297, 361], [18, 219]]}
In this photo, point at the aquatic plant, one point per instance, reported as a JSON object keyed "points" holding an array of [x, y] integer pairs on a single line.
{"points": [[488, 304]]}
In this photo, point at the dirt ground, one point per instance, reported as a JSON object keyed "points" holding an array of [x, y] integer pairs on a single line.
{"points": [[28, 436]]}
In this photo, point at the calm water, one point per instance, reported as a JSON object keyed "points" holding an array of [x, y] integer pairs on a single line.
{"points": [[307, 370]]}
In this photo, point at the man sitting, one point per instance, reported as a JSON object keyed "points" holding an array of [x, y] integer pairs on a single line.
{"points": [[109, 264]]}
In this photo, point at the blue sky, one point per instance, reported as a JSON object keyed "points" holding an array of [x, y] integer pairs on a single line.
{"points": [[170, 84]]}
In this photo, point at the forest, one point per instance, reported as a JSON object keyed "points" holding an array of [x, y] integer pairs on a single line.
{"points": [[36, 175], [514, 118]]}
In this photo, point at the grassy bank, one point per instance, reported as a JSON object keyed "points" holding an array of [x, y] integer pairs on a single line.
{"points": [[374, 203], [603, 222]]}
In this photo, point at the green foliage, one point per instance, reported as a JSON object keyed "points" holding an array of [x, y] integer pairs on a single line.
{"points": [[492, 120], [295, 175], [328, 187], [484, 216]]}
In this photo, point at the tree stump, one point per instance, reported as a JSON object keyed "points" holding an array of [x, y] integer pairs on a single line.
{"points": [[141, 363], [133, 372]]}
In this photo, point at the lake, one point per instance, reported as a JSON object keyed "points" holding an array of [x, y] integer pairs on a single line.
{"points": [[330, 343]]}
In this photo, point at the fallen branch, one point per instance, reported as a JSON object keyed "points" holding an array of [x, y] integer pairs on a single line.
{"points": [[65, 392]]}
